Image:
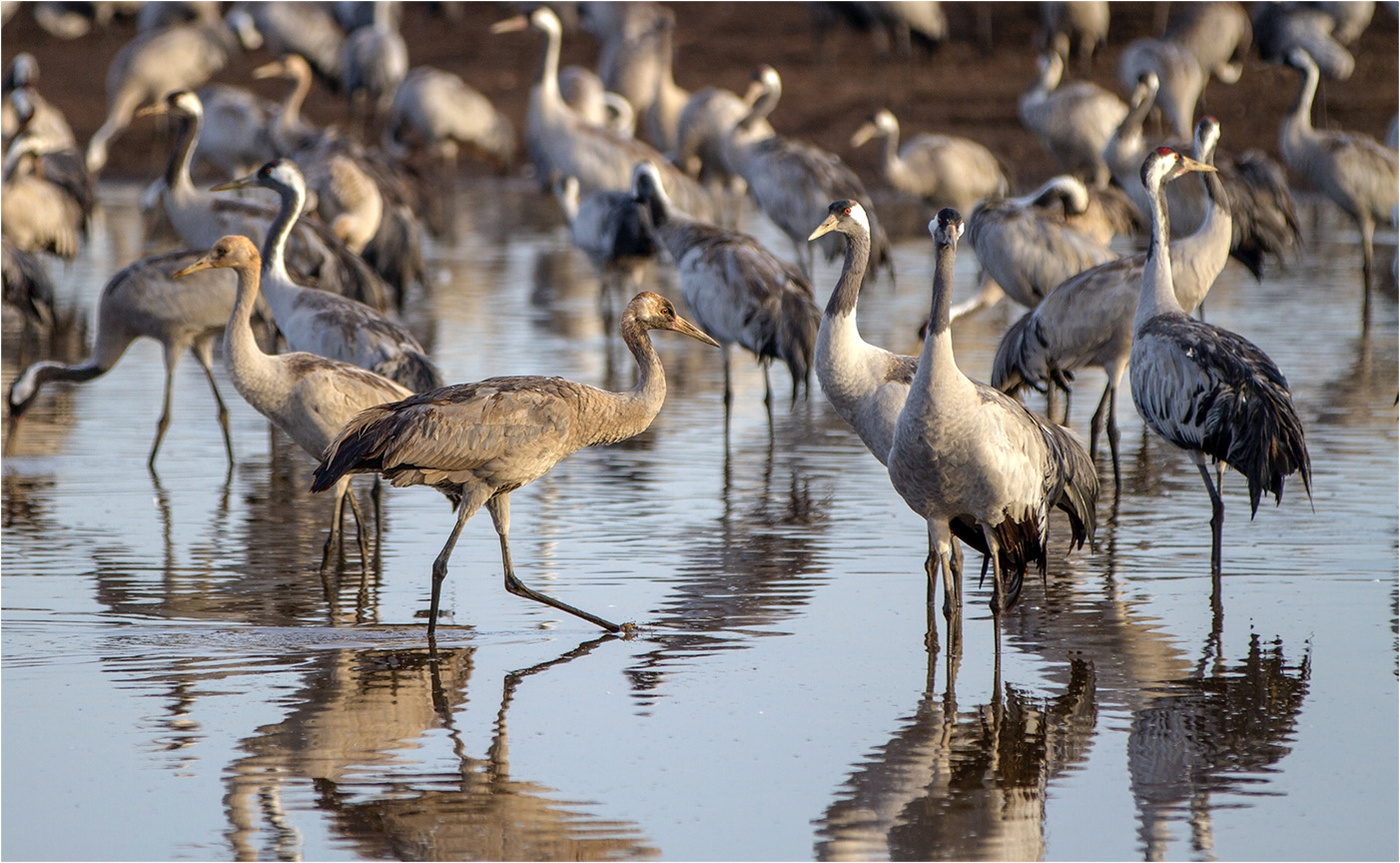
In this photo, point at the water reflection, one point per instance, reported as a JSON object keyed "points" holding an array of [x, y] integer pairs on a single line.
{"points": [[963, 784], [1214, 732]]}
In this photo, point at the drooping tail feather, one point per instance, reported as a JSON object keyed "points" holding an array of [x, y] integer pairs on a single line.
{"points": [[797, 334], [1019, 360]]}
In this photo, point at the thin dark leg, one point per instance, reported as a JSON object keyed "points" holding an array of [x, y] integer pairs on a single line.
{"points": [[1096, 424], [202, 357], [472, 499], [342, 488], [998, 589], [1113, 438], [171, 360], [1367, 264], [728, 387], [1217, 518], [499, 507], [359, 530]]}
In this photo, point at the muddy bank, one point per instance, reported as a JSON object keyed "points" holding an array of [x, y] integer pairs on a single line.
{"points": [[830, 86]]}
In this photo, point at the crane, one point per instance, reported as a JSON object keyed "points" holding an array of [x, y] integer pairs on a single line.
{"points": [[143, 301], [944, 170], [963, 452], [1203, 388], [1073, 120], [1087, 320], [320, 322], [478, 442], [1352, 169], [307, 396], [736, 289]]}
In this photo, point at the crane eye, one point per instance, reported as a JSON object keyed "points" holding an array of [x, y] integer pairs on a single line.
{"points": [[847, 211]]}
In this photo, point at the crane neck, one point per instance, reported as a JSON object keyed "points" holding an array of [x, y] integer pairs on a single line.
{"points": [[274, 250], [937, 365], [1301, 116], [177, 170], [634, 410], [549, 67], [296, 96], [1157, 296], [889, 152], [847, 292], [240, 347]]}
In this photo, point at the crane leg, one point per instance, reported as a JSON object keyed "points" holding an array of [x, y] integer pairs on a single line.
{"points": [[998, 589], [1113, 438], [1096, 424], [172, 359], [359, 531], [1368, 255], [499, 507], [728, 386], [342, 487], [472, 499], [1217, 516], [203, 354]]}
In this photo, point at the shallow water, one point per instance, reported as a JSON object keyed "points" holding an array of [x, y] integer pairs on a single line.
{"points": [[179, 683]]}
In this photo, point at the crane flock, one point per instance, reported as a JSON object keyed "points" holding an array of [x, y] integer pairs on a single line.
{"points": [[360, 394]]}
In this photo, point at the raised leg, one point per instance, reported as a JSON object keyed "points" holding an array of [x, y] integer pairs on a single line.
{"points": [[1217, 516], [499, 507]]}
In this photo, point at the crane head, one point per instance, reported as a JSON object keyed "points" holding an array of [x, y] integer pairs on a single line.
{"points": [[232, 251], [1164, 164], [655, 312], [947, 227], [840, 216]]}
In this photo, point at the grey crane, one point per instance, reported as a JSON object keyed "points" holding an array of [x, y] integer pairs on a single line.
{"points": [[478, 442], [1073, 120], [438, 112], [310, 397], [1180, 75], [1264, 220], [1218, 35], [144, 301], [709, 116], [308, 30], [1026, 251], [636, 63], [201, 218], [612, 228], [40, 214], [48, 121], [584, 92], [736, 289], [236, 135], [944, 170], [1206, 389], [289, 131], [27, 285], [793, 181], [1087, 320], [1081, 27], [965, 453], [153, 64], [1323, 30], [1354, 170], [374, 60], [864, 383], [347, 200], [562, 145], [320, 322]]}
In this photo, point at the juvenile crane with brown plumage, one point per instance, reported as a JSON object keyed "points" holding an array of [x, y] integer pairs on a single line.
{"points": [[476, 443]]}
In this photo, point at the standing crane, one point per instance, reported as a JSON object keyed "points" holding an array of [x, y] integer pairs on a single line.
{"points": [[1087, 321], [143, 300], [793, 181], [305, 395], [374, 61], [964, 452], [944, 170], [478, 442], [1206, 389], [736, 289], [1352, 169], [1074, 120], [613, 229], [438, 112], [320, 322], [561, 144]]}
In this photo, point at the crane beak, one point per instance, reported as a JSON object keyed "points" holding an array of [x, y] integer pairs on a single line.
{"points": [[241, 183], [1190, 164], [863, 134], [202, 264], [825, 227], [686, 328], [153, 110], [511, 25]]}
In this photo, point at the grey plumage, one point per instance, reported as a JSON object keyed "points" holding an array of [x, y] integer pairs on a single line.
{"points": [[324, 323], [1181, 76], [374, 60], [1087, 320], [236, 134], [1081, 27], [1322, 30], [562, 145], [1205, 389], [1354, 170], [963, 452], [439, 112], [1074, 120], [144, 301], [736, 289], [306, 29], [27, 285], [478, 442], [46, 198], [612, 228], [944, 170], [305, 395], [793, 181], [1218, 35]]}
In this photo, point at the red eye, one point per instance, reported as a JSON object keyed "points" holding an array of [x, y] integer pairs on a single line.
{"points": [[848, 211]]}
